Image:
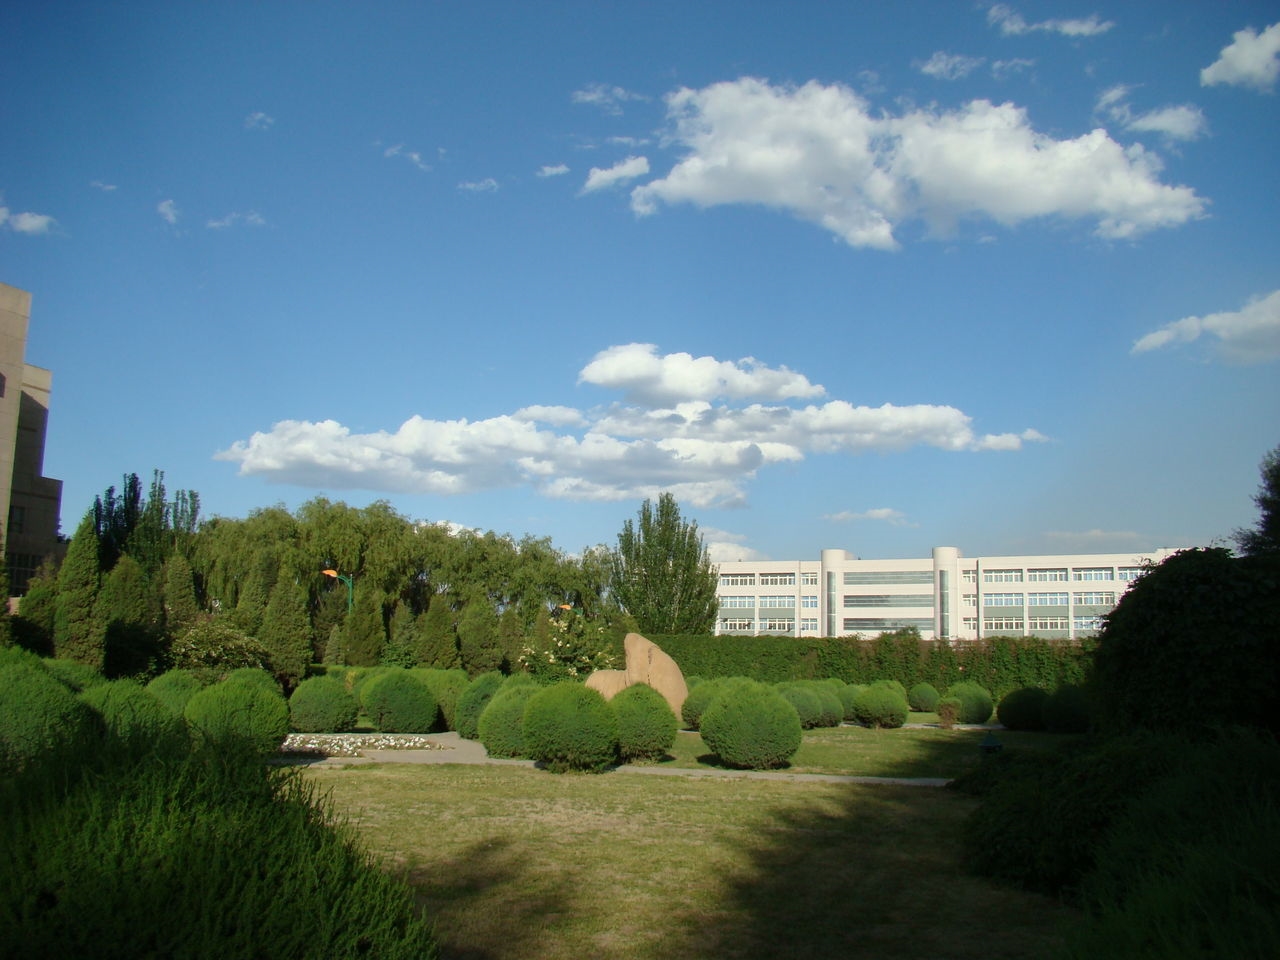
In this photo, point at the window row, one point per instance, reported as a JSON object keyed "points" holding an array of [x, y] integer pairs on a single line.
{"points": [[1102, 598], [808, 602], [888, 576], [859, 624], [737, 579], [777, 579], [889, 600]]}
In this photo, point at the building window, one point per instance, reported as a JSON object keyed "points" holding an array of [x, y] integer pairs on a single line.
{"points": [[809, 623], [736, 623], [809, 579], [1088, 624], [737, 579], [969, 576], [858, 624], [861, 577], [1129, 574], [737, 601], [777, 601], [1001, 576], [17, 518], [1101, 598], [1047, 623], [969, 599], [1046, 599], [1002, 600], [809, 603], [889, 600], [1093, 573], [778, 623], [1002, 623], [1047, 574], [971, 623], [777, 579]]}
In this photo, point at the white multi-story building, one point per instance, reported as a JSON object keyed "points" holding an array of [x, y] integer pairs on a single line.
{"points": [[1062, 596]]}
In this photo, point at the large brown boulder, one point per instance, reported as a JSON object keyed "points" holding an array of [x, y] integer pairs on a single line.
{"points": [[608, 682], [646, 663]]}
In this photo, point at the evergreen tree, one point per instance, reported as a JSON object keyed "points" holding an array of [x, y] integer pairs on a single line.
{"points": [[478, 637], [77, 634], [364, 634], [1264, 540], [401, 648], [438, 644], [180, 607], [661, 573], [286, 633], [33, 627], [128, 617], [255, 592], [511, 636], [330, 609], [333, 653]]}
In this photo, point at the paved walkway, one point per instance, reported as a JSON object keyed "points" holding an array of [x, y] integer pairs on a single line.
{"points": [[454, 749]]}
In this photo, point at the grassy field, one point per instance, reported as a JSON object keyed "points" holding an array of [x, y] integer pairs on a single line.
{"points": [[518, 863]]}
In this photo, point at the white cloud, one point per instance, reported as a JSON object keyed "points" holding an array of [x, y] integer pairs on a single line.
{"points": [[1250, 335], [1181, 122], [487, 185], [29, 223], [884, 514], [258, 121], [701, 453], [628, 169], [607, 98], [1011, 23], [1005, 68], [725, 547], [168, 211], [821, 154], [949, 66], [1250, 60], [558, 170], [413, 156], [104, 187], [250, 218]]}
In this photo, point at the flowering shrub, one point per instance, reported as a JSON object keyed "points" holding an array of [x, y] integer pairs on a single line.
{"points": [[573, 650]]}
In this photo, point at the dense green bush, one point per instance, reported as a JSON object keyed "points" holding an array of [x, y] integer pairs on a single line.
{"points": [[949, 710], [253, 675], [646, 724], [848, 694], [198, 856], [135, 722], [362, 677], [174, 688], [1067, 710], [699, 699], [975, 700], [472, 701], [502, 722], [238, 711], [446, 686], [216, 646], [829, 701], [399, 702], [322, 705], [805, 701], [923, 697], [75, 676], [880, 706], [752, 726], [1023, 709], [40, 719], [895, 685], [568, 726]]}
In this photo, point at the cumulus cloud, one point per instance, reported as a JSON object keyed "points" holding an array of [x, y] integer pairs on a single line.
{"points": [[884, 514], [1181, 122], [1251, 60], [725, 547], [673, 439], [168, 211], [413, 156], [250, 218], [259, 121], [558, 170], [608, 98], [1249, 335], [821, 154], [487, 185], [949, 66], [28, 223], [1012, 24], [624, 170]]}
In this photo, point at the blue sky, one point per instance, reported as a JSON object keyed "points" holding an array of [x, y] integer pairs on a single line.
{"points": [[875, 277]]}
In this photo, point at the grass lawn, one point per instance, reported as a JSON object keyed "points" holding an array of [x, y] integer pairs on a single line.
{"points": [[519, 863]]}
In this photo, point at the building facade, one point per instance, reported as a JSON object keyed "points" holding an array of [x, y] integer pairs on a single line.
{"points": [[30, 502], [1059, 596]]}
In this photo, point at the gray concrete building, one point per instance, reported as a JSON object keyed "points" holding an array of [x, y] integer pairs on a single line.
{"points": [[30, 502]]}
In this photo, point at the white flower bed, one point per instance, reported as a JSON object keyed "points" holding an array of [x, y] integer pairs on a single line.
{"points": [[351, 744]]}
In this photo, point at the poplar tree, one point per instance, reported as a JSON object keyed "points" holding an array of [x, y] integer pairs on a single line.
{"points": [[286, 633], [661, 573], [77, 634]]}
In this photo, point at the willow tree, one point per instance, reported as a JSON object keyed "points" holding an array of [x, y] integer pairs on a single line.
{"points": [[661, 573]]}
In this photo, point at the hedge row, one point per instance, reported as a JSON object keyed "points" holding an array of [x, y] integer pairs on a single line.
{"points": [[1000, 664]]}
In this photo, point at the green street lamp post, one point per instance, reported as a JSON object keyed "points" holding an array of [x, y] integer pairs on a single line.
{"points": [[348, 581]]}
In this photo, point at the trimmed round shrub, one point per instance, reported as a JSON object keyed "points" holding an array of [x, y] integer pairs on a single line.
{"points": [[752, 726], [134, 721], [699, 699], [894, 685], [568, 726], [829, 701], [255, 676], [361, 677], [808, 706], [322, 705], [1067, 710], [949, 709], [646, 723], [502, 723], [40, 719], [398, 702], [446, 686], [975, 700], [472, 701], [240, 711], [924, 697], [880, 707], [174, 688], [847, 696], [1023, 709], [74, 675]]}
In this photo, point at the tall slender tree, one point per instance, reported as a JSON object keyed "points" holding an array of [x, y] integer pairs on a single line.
{"points": [[77, 634], [286, 632], [661, 572], [180, 607], [478, 637], [365, 634], [438, 644], [128, 615]]}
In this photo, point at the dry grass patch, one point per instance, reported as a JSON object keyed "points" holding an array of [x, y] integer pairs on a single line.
{"points": [[518, 863]]}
